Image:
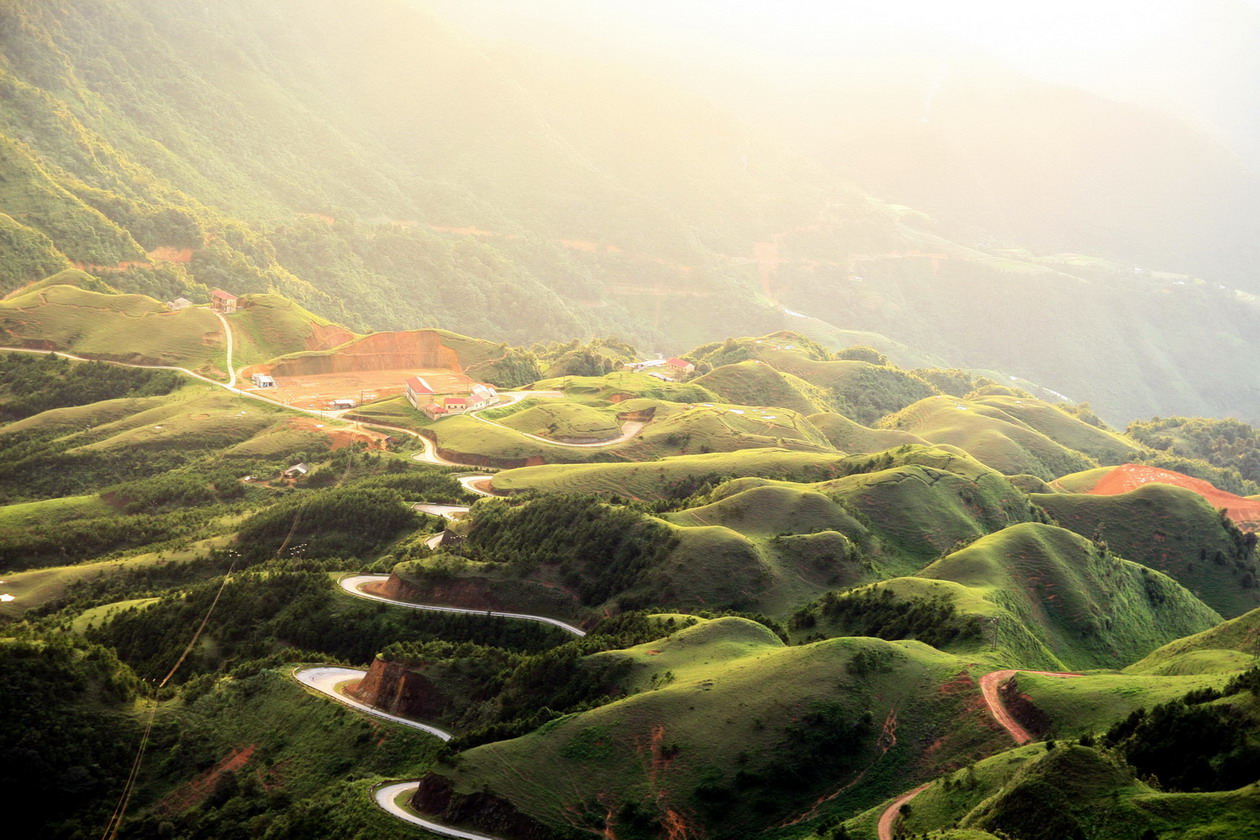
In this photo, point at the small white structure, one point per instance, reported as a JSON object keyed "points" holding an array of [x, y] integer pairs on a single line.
{"points": [[297, 471], [262, 380], [178, 304], [337, 405]]}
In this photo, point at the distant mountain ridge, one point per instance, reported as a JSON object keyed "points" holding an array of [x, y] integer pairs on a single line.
{"points": [[388, 173]]}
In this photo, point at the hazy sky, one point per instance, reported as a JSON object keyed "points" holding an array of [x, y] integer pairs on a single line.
{"points": [[1036, 36], [1195, 59]]}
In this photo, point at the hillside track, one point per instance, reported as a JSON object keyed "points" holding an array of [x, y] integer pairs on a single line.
{"points": [[354, 585], [990, 686], [387, 797], [328, 680], [888, 819]]}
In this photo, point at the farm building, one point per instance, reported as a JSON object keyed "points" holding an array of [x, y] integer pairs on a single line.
{"points": [[178, 304], [455, 396], [297, 471], [223, 302], [640, 367], [677, 367], [337, 405], [262, 380]]}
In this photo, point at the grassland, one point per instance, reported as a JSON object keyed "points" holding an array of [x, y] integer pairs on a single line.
{"points": [[1172, 530], [127, 328], [621, 385], [992, 436], [726, 697], [560, 420], [1087, 608], [1229, 646], [270, 325], [755, 383], [848, 436], [1063, 791], [654, 480]]}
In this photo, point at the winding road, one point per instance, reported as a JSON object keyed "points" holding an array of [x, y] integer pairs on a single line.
{"points": [[990, 687], [353, 584], [331, 681], [387, 798], [888, 819]]}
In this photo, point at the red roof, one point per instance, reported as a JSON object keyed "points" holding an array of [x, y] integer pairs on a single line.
{"points": [[678, 363], [222, 295], [455, 401], [419, 386]]}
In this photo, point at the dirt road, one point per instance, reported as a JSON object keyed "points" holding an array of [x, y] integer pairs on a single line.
{"points": [[888, 819], [990, 685]]}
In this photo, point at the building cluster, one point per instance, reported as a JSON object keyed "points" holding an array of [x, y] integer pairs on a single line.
{"points": [[456, 394], [670, 370]]}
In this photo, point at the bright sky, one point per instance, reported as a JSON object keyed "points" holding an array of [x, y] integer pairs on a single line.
{"points": [[1032, 35]]}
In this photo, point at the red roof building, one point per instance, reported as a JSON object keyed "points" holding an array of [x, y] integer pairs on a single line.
{"points": [[224, 302]]}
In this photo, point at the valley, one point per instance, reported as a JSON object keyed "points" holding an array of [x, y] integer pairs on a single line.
{"points": [[571, 421], [946, 565]]}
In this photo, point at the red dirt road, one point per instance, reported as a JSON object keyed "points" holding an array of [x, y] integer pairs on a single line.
{"points": [[989, 685], [1245, 512], [889, 817]]}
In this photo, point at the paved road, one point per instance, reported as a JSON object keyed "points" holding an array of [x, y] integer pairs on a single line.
{"points": [[353, 584], [330, 680], [989, 686], [228, 341], [888, 819], [386, 797], [444, 511]]}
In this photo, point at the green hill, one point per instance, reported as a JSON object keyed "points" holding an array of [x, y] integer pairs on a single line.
{"points": [[1173, 530], [1103, 445], [848, 436], [1229, 646], [130, 328], [1089, 608], [668, 756], [992, 436], [753, 383], [675, 477]]}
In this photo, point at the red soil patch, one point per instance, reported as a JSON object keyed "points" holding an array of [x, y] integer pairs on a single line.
{"points": [[169, 254], [339, 438], [186, 796], [326, 337], [1243, 511]]}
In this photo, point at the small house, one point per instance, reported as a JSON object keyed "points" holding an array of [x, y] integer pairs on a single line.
{"points": [[338, 405], [481, 396], [178, 304], [297, 471], [445, 406], [223, 302], [262, 380], [418, 391], [640, 367], [678, 368]]}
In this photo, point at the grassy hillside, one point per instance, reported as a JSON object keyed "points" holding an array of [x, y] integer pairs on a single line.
{"points": [[1173, 530], [655, 758], [1226, 647], [131, 328], [992, 436], [753, 383], [1089, 608], [848, 436]]}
